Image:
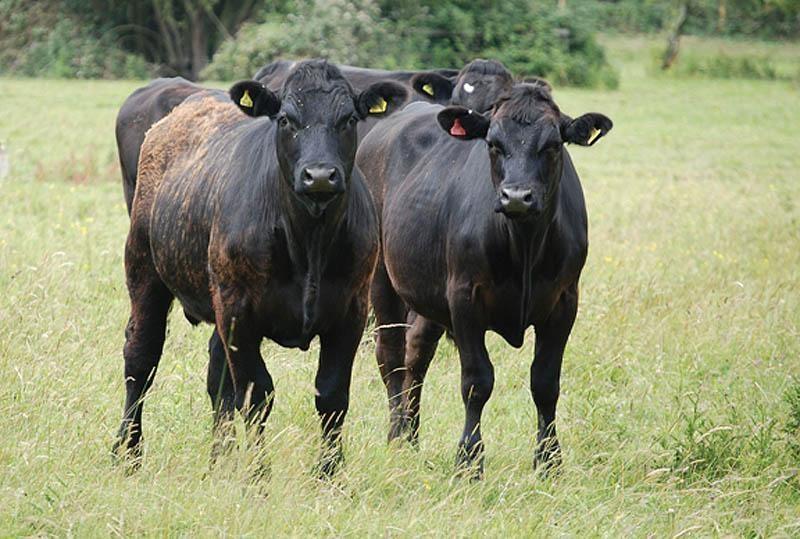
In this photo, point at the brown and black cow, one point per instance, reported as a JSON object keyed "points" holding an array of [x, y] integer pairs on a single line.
{"points": [[484, 228], [260, 224]]}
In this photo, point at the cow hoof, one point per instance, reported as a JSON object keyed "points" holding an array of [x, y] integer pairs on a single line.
{"points": [[330, 461], [469, 464], [547, 458], [129, 457]]}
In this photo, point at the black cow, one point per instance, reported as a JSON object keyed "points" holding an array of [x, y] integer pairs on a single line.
{"points": [[477, 85], [261, 225], [437, 88], [483, 228], [143, 108]]}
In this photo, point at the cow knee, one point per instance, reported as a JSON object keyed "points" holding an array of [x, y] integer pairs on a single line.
{"points": [[332, 403], [476, 386], [545, 392]]}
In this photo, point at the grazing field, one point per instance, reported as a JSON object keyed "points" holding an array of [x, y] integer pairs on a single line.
{"points": [[676, 414]]}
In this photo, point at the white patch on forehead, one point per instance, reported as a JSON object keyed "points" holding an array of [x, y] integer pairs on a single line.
{"points": [[468, 88]]}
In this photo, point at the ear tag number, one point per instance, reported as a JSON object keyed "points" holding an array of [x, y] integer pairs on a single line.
{"points": [[427, 88], [593, 135], [379, 107], [457, 130], [246, 101]]}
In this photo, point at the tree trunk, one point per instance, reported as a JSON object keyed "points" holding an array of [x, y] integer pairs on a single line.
{"points": [[674, 39]]}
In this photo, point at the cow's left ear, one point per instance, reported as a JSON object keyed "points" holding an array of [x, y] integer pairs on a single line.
{"points": [[381, 99], [585, 130], [433, 87], [463, 123], [254, 99]]}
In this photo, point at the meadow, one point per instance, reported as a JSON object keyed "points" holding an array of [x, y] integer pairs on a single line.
{"points": [[680, 406]]}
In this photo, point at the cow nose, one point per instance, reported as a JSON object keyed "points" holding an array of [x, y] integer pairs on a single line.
{"points": [[319, 179], [515, 201]]}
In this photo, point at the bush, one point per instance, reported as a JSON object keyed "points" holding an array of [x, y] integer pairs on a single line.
{"points": [[37, 40], [345, 31], [530, 40], [722, 65]]}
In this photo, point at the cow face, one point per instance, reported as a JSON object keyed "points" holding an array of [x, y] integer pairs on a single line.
{"points": [[477, 86], [525, 134], [316, 117]]}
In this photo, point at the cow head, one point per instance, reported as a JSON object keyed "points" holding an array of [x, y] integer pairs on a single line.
{"points": [[477, 86], [525, 133], [316, 116]]}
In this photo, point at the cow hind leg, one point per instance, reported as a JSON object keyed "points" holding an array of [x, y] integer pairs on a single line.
{"points": [[421, 341], [253, 389], [145, 334], [390, 315], [219, 383], [551, 339]]}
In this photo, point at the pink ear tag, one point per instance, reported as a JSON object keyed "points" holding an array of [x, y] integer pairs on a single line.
{"points": [[457, 130]]}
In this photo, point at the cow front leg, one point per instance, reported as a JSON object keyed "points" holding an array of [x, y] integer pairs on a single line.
{"points": [[477, 381], [551, 339], [337, 351]]}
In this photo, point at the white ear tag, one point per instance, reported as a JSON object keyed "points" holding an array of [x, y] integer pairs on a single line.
{"points": [[468, 88]]}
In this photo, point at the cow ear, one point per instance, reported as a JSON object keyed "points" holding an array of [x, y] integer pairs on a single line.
{"points": [[254, 99], [381, 99], [433, 87], [585, 130], [463, 123]]}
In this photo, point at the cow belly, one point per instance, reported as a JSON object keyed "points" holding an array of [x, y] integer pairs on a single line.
{"points": [[179, 245]]}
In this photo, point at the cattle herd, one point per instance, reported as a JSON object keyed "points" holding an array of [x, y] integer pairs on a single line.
{"points": [[285, 207]]}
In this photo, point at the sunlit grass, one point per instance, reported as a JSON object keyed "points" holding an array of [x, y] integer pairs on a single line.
{"points": [[675, 415]]}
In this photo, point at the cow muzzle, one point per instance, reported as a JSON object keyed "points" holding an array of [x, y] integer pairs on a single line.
{"points": [[319, 186], [517, 202]]}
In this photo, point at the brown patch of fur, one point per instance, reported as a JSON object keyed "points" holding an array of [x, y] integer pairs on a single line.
{"points": [[181, 135]]}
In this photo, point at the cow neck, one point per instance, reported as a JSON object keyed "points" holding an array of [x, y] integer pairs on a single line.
{"points": [[309, 242], [527, 240]]}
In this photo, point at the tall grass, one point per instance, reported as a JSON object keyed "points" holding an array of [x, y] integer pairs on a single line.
{"points": [[679, 411]]}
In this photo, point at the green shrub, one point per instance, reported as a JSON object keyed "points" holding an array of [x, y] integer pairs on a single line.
{"points": [[725, 66], [37, 40], [345, 31], [530, 40]]}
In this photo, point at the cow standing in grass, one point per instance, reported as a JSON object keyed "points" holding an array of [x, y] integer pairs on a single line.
{"points": [[260, 224], [483, 228]]}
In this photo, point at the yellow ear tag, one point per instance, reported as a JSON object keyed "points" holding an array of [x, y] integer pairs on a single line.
{"points": [[593, 135], [427, 88], [245, 101], [379, 107]]}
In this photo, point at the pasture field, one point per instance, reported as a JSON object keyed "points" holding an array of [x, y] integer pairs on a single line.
{"points": [[676, 414]]}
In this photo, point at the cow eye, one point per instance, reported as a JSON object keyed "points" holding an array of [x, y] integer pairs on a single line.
{"points": [[349, 122], [496, 148]]}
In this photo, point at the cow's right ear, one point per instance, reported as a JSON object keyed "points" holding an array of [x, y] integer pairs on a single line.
{"points": [[433, 86], [254, 99], [463, 123]]}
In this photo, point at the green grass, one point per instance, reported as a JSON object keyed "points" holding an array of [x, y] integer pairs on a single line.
{"points": [[679, 405]]}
